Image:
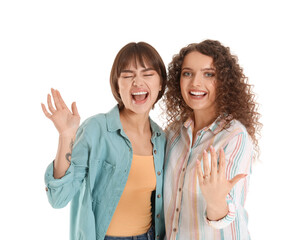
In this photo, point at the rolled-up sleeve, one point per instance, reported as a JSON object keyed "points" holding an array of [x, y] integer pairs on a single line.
{"points": [[61, 191], [238, 157]]}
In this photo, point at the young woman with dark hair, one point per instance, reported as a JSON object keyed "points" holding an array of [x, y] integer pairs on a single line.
{"points": [[111, 167]]}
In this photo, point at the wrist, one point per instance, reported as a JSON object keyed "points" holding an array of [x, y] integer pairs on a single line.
{"points": [[217, 210], [67, 135]]}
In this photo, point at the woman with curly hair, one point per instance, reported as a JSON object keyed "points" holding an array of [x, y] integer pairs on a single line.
{"points": [[210, 106]]}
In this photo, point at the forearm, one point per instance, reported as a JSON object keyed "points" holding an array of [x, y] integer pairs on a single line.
{"points": [[63, 156]]}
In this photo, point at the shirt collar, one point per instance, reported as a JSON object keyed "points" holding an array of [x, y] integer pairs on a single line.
{"points": [[113, 120], [156, 130], [215, 127]]}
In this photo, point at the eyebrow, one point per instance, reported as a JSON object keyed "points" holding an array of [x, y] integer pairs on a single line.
{"points": [[144, 70], [126, 71], [203, 69], [148, 69]]}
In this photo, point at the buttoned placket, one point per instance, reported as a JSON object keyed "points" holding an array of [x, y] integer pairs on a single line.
{"points": [[158, 172], [182, 177]]}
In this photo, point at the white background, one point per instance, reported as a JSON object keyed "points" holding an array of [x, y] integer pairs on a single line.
{"points": [[70, 46]]}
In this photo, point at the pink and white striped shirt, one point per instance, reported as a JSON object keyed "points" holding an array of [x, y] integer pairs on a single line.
{"points": [[184, 205]]}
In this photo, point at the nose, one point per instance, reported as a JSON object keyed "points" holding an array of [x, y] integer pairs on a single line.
{"points": [[196, 80], [137, 81]]}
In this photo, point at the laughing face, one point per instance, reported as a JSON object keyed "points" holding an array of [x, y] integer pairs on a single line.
{"points": [[197, 82], [139, 87]]}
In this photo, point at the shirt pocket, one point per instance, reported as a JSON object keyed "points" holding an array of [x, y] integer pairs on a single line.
{"points": [[104, 177]]}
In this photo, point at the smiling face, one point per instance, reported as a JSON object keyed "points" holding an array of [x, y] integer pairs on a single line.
{"points": [[139, 87], [198, 83]]}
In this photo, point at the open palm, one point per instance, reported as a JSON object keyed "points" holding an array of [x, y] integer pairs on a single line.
{"points": [[214, 184], [65, 121]]}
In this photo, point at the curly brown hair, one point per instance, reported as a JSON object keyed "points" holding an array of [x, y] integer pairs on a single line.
{"points": [[234, 99]]}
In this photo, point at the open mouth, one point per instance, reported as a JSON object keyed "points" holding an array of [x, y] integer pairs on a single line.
{"points": [[198, 93], [139, 96]]}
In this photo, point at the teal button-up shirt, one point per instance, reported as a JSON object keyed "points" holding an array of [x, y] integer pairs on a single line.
{"points": [[94, 182]]}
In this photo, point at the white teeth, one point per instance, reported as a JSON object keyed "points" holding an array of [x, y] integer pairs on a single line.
{"points": [[198, 93], [139, 93]]}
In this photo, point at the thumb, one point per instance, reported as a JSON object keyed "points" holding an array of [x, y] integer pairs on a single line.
{"points": [[74, 109], [236, 179]]}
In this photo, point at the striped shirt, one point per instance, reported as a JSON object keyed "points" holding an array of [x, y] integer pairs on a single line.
{"points": [[184, 205]]}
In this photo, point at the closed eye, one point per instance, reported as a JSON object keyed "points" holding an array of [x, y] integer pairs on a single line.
{"points": [[127, 75]]}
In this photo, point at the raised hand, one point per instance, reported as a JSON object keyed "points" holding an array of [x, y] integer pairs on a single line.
{"points": [[214, 184], [65, 121]]}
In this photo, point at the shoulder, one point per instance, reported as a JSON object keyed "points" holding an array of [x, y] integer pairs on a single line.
{"points": [[173, 131], [234, 128], [93, 128], [102, 121], [92, 123], [236, 134]]}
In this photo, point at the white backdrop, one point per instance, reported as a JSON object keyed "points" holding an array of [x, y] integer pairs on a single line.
{"points": [[70, 46]]}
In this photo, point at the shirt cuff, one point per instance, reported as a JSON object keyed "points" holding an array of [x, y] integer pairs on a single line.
{"points": [[51, 182], [225, 221]]}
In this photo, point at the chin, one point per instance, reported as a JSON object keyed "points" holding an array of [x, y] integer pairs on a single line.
{"points": [[140, 109]]}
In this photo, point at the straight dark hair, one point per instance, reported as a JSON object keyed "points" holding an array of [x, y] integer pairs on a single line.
{"points": [[136, 53]]}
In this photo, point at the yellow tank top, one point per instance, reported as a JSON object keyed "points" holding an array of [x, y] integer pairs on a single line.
{"points": [[133, 212]]}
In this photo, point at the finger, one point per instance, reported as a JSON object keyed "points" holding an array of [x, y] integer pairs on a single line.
{"points": [[213, 162], [50, 106], [56, 100], [199, 171], [47, 114], [61, 101], [236, 179], [206, 164], [221, 171], [74, 109]]}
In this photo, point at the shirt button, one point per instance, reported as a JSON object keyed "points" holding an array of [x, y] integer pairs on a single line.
{"points": [[179, 189], [159, 195], [177, 209], [158, 215], [159, 173], [158, 236], [174, 229], [46, 189], [183, 169], [155, 151]]}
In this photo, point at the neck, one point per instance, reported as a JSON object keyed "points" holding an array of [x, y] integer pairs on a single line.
{"points": [[134, 121], [203, 119]]}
